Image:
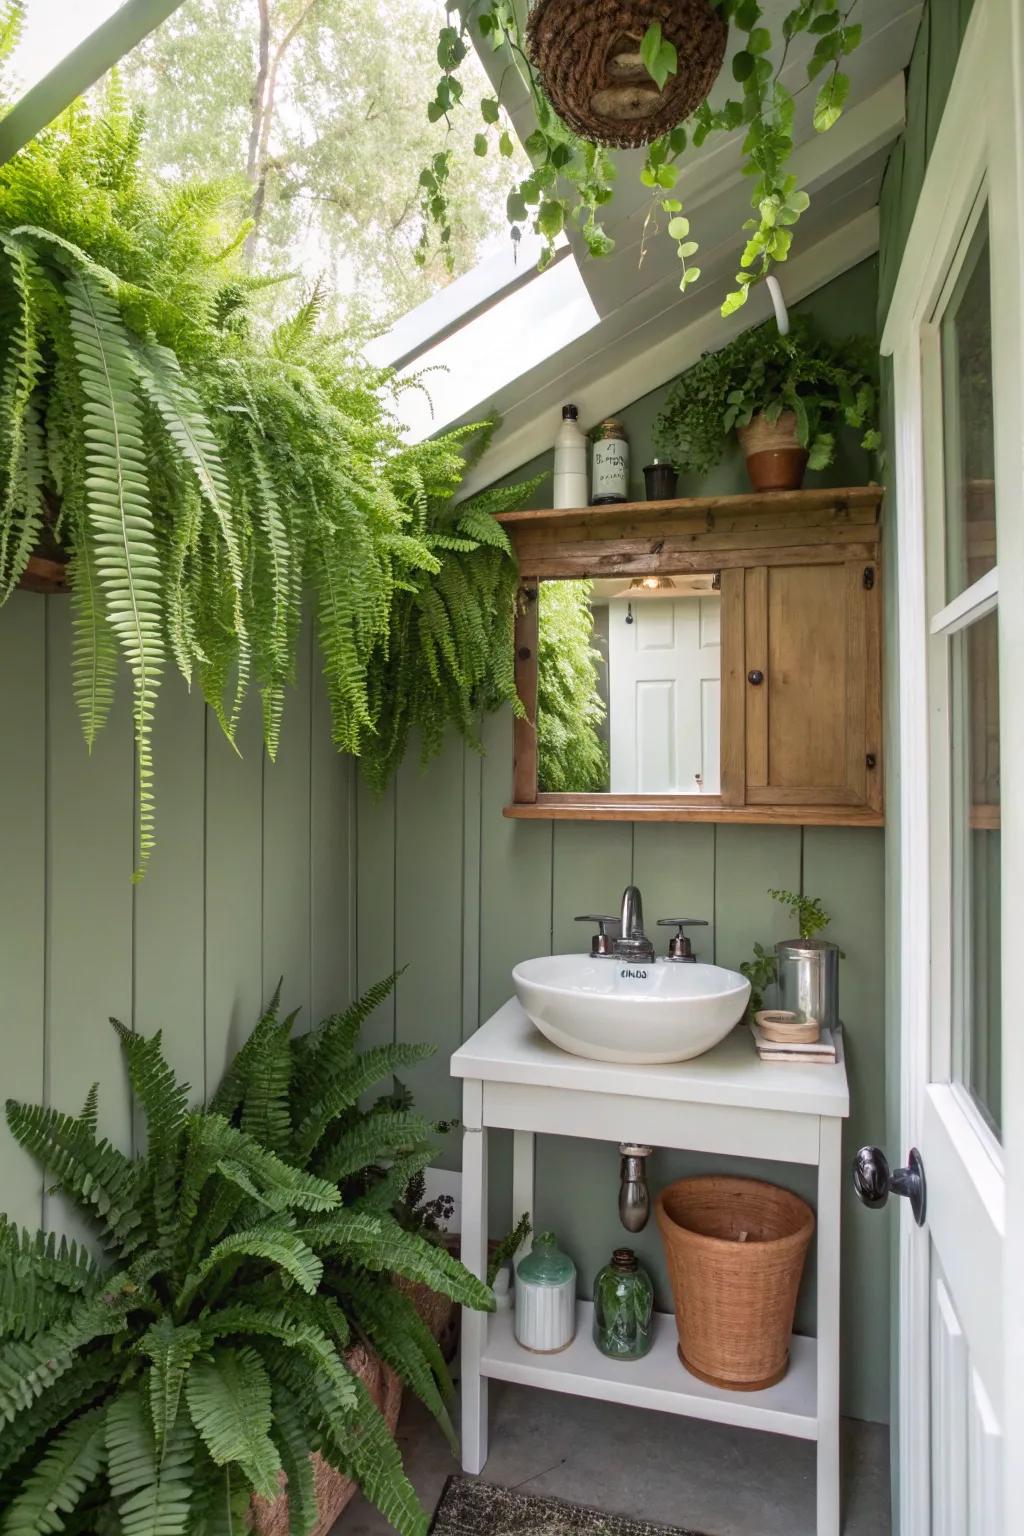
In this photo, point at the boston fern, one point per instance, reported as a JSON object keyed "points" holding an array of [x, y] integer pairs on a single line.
{"points": [[206, 474], [826, 384], [152, 1392]]}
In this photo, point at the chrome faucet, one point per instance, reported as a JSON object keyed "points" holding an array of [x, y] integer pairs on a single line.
{"points": [[631, 943]]}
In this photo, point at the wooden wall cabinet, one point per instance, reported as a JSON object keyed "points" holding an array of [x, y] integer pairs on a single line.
{"points": [[801, 726]]}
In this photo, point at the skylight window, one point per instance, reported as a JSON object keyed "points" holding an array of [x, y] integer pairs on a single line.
{"points": [[463, 372], [49, 33]]}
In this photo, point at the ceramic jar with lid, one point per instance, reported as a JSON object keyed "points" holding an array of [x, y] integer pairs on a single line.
{"points": [[623, 1307], [545, 1304]]}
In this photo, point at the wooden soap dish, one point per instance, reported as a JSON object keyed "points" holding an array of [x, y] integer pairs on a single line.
{"points": [[785, 1028]]}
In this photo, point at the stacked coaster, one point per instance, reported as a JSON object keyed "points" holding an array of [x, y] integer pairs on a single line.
{"points": [[782, 1036]]}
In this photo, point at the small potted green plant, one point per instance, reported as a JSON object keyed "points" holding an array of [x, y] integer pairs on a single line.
{"points": [[786, 397]]}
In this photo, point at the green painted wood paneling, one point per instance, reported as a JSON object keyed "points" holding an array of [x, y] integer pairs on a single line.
{"points": [[593, 864], [251, 873], [844, 867], [428, 924], [170, 934], [23, 772], [90, 849], [286, 826], [376, 939], [234, 888], [515, 875], [674, 866]]}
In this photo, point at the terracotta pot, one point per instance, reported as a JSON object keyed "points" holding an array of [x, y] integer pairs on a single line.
{"points": [[269, 1517], [775, 459]]}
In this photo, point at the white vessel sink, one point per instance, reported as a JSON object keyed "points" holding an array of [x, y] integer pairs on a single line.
{"points": [[617, 1010]]}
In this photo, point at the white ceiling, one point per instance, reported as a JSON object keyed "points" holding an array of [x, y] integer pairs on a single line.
{"points": [[648, 331]]}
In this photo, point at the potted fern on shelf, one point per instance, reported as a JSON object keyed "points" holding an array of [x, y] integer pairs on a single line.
{"points": [[216, 1351], [786, 398]]}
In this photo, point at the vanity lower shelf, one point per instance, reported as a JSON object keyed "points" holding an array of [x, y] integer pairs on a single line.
{"points": [[658, 1380]]}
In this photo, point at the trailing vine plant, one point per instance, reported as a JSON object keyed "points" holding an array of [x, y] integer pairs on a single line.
{"points": [[572, 179], [204, 475]]}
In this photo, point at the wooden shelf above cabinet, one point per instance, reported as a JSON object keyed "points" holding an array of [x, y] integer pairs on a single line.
{"points": [[697, 534], [679, 808]]}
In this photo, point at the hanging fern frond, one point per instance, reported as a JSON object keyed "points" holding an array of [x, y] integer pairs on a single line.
{"points": [[117, 498]]}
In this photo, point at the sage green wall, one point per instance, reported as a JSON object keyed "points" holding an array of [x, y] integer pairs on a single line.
{"points": [[457, 892], [249, 880], [843, 307]]}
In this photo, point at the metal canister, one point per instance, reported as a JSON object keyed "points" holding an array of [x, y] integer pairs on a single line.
{"points": [[809, 979]]}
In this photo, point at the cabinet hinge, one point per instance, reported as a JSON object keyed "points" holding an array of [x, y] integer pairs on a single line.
{"points": [[869, 577]]}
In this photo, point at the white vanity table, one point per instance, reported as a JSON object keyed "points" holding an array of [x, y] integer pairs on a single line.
{"points": [[726, 1101]]}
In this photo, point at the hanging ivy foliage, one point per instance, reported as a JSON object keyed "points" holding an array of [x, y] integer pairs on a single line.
{"points": [[573, 179], [205, 475]]}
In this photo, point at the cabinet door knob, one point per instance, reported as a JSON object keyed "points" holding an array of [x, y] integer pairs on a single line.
{"points": [[756, 677]]}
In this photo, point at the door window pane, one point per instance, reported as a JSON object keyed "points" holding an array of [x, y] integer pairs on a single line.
{"points": [[966, 331], [974, 680]]}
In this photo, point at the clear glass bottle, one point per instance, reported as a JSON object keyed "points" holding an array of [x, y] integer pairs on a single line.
{"points": [[623, 1307]]}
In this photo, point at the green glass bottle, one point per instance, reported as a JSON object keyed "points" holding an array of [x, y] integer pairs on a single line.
{"points": [[623, 1305]]}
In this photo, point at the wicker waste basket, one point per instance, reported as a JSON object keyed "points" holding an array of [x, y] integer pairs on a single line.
{"points": [[735, 1250], [269, 1517]]}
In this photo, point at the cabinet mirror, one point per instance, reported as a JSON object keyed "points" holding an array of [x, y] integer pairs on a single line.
{"points": [[711, 660]]}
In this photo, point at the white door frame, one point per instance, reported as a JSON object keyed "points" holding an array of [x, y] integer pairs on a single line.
{"points": [[979, 141]]}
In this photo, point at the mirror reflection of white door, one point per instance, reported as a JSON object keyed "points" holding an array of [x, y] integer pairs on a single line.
{"points": [[664, 705], [954, 331]]}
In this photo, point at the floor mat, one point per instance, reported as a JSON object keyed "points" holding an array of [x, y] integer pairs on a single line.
{"points": [[471, 1508]]}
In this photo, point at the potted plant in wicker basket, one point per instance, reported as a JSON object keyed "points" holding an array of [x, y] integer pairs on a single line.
{"points": [[241, 1338], [786, 397]]}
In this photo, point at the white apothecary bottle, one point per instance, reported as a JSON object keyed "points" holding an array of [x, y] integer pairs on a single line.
{"points": [[570, 485], [611, 464], [545, 1303]]}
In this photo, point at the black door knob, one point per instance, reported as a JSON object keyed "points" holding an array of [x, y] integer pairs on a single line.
{"points": [[756, 677], [874, 1181]]}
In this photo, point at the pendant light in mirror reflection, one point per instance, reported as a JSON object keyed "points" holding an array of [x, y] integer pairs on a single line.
{"points": [[629, 683]]}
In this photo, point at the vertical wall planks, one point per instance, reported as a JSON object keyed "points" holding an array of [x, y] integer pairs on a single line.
{"points": [[428, 922], [234, 888], [515, 875], [286, 848], [23, 883], [845, 868], [473, 780], [90, 857], [593, 864], [170, 906], [674, 866], [376, 939], [332, 897], [747, 861]]}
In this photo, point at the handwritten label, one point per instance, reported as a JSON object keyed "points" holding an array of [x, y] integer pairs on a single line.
{"points": [[628, 974]]}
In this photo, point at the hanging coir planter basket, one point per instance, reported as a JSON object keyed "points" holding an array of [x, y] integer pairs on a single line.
{"points": [[588, 55]]}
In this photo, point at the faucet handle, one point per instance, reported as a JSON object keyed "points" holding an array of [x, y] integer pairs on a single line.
{"points": [[679, 945], [601, 943]]}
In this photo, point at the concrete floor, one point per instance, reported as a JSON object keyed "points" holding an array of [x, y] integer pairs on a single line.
{"points": [[630, 1461]]}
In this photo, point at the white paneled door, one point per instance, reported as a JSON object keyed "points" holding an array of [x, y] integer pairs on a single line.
{"points": [[955, 337], [665, 669]]}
